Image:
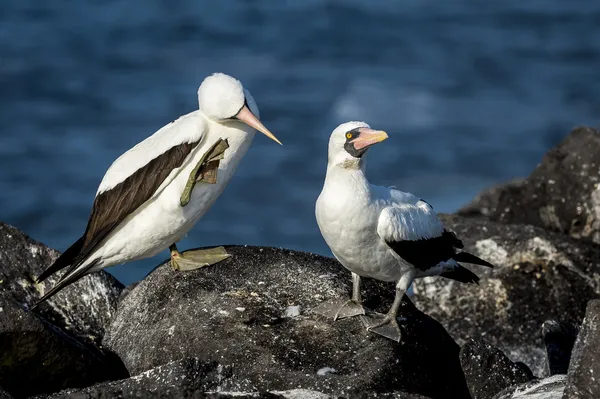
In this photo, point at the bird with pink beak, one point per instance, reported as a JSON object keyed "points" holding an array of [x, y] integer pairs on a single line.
{"points": [[154, 193]]}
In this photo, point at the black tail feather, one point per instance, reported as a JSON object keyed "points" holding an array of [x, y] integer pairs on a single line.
{"points": [[67, 279], [63, 260], [470, 258], [461, 274]]}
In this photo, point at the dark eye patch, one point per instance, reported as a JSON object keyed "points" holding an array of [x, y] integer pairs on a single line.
{"points": [[349, 147]]}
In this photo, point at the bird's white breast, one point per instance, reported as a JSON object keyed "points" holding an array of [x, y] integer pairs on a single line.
{"points": [[347, 215]]}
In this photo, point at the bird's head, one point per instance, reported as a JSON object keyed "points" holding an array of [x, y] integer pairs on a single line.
{"points": [[222, 99], [350, 141]]}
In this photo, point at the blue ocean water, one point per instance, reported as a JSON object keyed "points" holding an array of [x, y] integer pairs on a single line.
{"points": [[471, 92]]}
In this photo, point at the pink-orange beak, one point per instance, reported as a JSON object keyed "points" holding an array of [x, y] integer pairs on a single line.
{"points": [[246, 116], [367, 137]]}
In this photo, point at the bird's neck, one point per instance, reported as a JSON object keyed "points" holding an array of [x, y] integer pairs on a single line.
{"points": [[348, 175]]}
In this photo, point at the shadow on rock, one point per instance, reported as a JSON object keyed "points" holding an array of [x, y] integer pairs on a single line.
{"points": [[37, 357]]}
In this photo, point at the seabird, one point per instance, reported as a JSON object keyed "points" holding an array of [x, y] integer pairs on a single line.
{"points": [[153, 194], [380, 232]]}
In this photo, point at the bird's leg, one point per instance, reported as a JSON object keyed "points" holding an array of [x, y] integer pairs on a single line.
{"points": [[195, 259], [352, 307], [341, 309], [387, 325]]}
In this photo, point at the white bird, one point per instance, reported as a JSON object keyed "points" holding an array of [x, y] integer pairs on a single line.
{"points": [[153, 194], [380, 232]]}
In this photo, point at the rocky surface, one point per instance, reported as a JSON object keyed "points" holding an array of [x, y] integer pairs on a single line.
{"points": [[488, 370], [37, 357], [189, 378], [547, 388], [234, 314], [4, 394], [539, 275], [83, 309], [584, 371], [562, 194], [486, 202], [559, 339]]}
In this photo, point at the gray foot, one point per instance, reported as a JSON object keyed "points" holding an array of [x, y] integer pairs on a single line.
{"points": [[340, 309], [384, 325], [195, 259]]}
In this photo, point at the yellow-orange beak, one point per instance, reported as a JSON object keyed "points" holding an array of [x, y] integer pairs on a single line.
{"points": [[368, 137], [246, 116]]}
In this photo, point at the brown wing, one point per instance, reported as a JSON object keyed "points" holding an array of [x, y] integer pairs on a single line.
{"points": [[111, 207]]}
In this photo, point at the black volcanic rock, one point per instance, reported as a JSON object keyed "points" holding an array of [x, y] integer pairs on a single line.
{"points": [[83, 309], [488, 370], [37, 357], [561, 194], [234, 313], [583, 379], [539, 275], [191, 378]]}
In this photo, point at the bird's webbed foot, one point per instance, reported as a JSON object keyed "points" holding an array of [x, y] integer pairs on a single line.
{"points": [[340, 309], [197, 258], [384, 325]]}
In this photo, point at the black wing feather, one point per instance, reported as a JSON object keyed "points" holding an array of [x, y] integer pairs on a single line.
{"points": [[427, 252]]}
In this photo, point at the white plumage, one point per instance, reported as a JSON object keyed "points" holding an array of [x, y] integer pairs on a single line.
{"points": [[380, 232]]}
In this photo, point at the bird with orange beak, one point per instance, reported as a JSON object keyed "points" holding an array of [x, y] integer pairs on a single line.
{"points": [[153, 194], [380, 232]]}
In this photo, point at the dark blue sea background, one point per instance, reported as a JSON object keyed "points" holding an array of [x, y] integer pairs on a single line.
{"points": [[471, 92]]}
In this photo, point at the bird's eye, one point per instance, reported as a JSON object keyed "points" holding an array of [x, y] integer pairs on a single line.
{"points": [[348, 135]]}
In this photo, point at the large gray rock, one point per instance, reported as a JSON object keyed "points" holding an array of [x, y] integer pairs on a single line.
{"points": [[234, 313], [488, 370], [189, 378], [83, 309], [37, 357], [539, 275], [547, 388], [562, 194], [583, 379]]}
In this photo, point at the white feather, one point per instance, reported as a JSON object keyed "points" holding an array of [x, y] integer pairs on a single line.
{"points": [[406, 221], [187, 129]]}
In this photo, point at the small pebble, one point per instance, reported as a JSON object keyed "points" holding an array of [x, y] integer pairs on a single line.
{"points": [[292, 311], [326, 370]]}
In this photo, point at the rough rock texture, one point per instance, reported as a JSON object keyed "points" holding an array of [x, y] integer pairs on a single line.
{"points": [[548, 388], [538, 275], [559, 339], [37, 357], [4, 394], [562, 194], [84, 309], [486, 202], [187, 378], [488, 370], [584, 371], [233, 313]]}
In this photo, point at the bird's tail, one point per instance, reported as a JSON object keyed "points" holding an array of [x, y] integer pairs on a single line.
{"points": [[67, 279], [470, 258], [461, 274], [64, 260]]}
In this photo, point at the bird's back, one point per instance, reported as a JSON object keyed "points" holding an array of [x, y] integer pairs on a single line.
{"points": [[186, 129]]}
